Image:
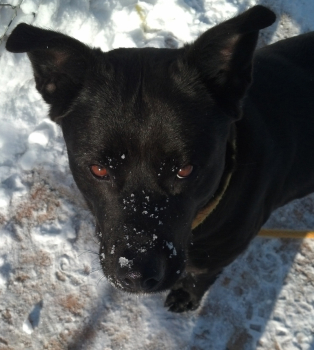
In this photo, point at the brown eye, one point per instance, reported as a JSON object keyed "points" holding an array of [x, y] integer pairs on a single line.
{"points": [[99, 171], [185, 171]]}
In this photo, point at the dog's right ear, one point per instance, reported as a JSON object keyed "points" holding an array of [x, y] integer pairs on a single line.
{"points": [[59, 63]]}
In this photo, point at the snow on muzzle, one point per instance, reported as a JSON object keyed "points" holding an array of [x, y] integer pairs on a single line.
{"points": [[144, 252], [144, 270], [150, 270]]}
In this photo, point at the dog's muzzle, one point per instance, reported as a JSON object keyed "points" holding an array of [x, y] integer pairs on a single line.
{"points": [[147, 273]]}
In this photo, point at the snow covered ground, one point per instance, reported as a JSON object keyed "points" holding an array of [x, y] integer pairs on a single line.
{"points": [[52, 295]]}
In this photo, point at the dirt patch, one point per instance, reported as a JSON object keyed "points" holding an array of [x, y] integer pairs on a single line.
{"points": [[54, 344], [2, 219], [39, 206], [72, 303], [240, 340], [40, 258], [7, 317]]}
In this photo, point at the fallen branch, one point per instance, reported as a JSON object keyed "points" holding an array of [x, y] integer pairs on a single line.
{"points": [[14, 8]]}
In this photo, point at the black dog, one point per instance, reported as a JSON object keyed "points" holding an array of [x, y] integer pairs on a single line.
{"points": [[161, 141]]}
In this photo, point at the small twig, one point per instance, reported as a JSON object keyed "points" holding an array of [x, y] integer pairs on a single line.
{"points": [[15, 8]]}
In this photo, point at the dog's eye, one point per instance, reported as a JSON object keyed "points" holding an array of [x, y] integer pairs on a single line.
{"points": [[185, 171], [99, 171]]}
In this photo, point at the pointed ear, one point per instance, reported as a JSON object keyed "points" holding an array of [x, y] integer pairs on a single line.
{"points": [[59, 64], [223, 55]]}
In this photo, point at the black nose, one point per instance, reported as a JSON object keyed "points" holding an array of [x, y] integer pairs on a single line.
{"points": [[142, 277]]}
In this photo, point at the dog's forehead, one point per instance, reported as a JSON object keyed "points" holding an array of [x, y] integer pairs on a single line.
{"points": [[138, 101], [148, 133], [134, 79], [133, 102]]}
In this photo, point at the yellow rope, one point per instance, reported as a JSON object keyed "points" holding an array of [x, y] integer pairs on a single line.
{"points": [[140, 11], [296, 234]]}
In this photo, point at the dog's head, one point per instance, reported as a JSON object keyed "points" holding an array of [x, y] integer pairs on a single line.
{"points": [[147, 135]]}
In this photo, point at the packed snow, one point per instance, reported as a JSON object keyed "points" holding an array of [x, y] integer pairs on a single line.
{"points": [[52, 292]]}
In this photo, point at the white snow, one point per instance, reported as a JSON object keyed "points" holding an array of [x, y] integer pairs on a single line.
{"points": [[169, 245], [124, 262], [49, 252], [27, 327]]}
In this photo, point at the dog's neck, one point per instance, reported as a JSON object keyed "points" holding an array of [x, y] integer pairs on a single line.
{"points": [[224, 181]]}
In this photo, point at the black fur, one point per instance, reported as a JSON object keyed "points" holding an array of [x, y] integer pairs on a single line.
{"points": [[143, 114]]}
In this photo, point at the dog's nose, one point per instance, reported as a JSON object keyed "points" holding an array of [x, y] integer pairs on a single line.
{"points": [[143, 278], [135, 281]]}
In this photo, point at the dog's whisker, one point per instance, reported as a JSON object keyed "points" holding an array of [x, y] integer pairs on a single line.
{"points": [[88, 251], [94, 239], [102, 277], [94, 270], [96, 260]]}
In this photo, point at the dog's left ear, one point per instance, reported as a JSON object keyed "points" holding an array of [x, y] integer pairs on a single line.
{"points": [[223, 55], [59, 64]]}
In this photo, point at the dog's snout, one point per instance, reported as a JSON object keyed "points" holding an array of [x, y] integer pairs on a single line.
{"points": [[145, 277]]}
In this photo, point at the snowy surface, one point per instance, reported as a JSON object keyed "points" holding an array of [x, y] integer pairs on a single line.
{"points": [[52, 294]]}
